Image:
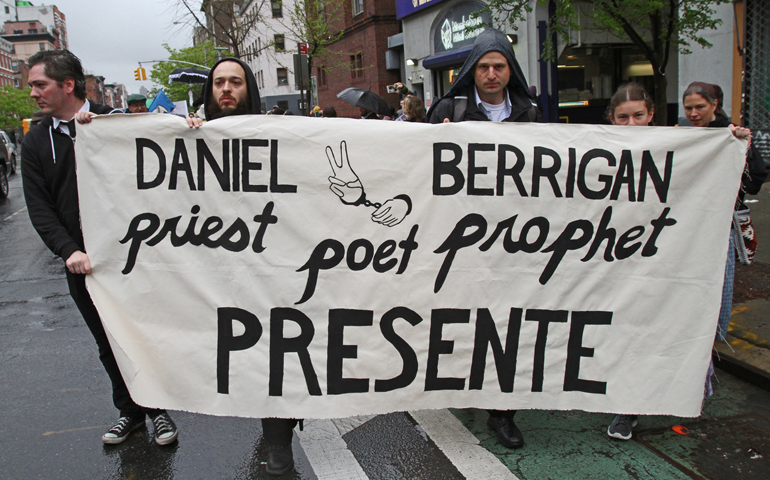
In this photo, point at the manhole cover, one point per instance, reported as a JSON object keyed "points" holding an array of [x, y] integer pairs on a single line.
{"points": [[733, 447]]}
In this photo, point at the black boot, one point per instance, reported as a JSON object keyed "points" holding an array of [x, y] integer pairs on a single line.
{"points": [[277, 433], [508, 434], [280, 459]]}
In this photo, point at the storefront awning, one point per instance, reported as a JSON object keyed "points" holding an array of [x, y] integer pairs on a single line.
{"points": [[447, 59]]}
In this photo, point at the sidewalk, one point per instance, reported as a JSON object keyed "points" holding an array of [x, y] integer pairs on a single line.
{"points": [[746, 353]]}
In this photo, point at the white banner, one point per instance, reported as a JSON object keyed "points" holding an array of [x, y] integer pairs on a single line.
{"points": [[505, 266]]}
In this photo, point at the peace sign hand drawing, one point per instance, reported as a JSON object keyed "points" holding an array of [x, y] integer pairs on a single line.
{"points": [[344, 181], [348, 187]]}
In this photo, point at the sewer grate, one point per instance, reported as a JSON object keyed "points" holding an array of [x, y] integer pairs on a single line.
{"points": [[731, 447]]}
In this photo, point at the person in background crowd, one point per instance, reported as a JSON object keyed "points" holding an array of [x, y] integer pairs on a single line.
{"points": [[703, 108], [403, 91], [390, 116], [490, 87], [329, 112], [630, 105], [136, 104], [368, 115], [50, 189], [414, 111], [316, 112], [231, 89]]}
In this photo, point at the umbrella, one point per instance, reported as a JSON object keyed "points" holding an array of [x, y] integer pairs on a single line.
{"points": [[365, 99], [188, 75]]}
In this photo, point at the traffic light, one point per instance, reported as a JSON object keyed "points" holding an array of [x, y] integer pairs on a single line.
{"points": [[140, 74]]}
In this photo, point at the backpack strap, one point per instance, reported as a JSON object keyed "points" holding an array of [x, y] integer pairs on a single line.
{"points": [[460, 106]]}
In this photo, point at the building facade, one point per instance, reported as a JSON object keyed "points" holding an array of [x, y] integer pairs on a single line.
{"points": [[589, 66], [358, 58], [269, 50], [27, 38], [49, 16], [6, 63]]}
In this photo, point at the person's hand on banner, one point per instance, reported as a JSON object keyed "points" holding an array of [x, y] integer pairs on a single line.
{"points": [[84, 117], [344, 181], [194, 122], [78, 262], [739, 132]]}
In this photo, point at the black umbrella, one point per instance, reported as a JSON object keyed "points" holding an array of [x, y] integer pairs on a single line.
{"points": [[188, 75], [365, 99]]}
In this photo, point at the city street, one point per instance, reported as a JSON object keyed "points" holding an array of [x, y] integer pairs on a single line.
{"points": [[55, 404]]}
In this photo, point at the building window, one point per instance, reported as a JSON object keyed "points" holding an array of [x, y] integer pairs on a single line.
{"points": [[283, 76], [284, 104], [32, 30], [358, 7], [42, 46], [357, 65], [322, 75], [18, 32], [7, 10], [280, 45], [277, 7]]}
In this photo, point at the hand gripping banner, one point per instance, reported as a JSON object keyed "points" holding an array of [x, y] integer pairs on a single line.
{"points": [[293, 267]]}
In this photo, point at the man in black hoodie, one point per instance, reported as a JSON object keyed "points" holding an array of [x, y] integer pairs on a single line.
{"points": [[50, 189], [231, 89], [490, 87]]}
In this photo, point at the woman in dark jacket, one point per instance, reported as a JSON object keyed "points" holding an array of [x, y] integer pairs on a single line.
{"points": [[703, 108]]}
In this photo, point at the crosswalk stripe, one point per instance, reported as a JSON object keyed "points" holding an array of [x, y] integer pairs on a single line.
{"points": [[460, 446], [328, 452]]}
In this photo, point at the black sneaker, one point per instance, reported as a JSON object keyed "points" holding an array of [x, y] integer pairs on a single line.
{"points": [[280, 459], [120, 431], [621, 426], [165, 429]]}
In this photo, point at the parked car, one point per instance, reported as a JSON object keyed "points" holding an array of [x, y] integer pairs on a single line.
{"points": [[10, 153], [4, 167]]}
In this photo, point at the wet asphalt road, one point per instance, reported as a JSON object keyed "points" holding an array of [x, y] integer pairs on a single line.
{"points": [[55, 399]]}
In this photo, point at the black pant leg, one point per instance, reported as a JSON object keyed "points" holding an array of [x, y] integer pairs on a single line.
{"points": [[502, 413], [278, 431], [120, 395]]}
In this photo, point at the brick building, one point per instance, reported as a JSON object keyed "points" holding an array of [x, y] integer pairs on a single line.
{"points": [[367, 25], [95, 88]]}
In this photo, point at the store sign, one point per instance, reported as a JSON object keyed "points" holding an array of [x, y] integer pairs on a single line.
{"points": [[459, 27], [407, 7], [762, 143]]}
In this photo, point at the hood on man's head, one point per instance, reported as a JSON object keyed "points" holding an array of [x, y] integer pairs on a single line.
{"points": [[490, 40], [251, 83]]}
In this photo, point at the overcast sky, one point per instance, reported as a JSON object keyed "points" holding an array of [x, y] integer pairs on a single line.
{"points": [[112, 36]]}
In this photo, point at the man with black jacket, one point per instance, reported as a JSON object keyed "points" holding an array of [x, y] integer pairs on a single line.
{"points": [[50, 189], [490, 87], [231, 89]]}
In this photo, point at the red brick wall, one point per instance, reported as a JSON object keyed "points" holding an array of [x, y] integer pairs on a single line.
{"points": [[367, 33]]}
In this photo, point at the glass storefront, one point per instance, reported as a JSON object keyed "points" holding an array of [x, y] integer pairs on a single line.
{"points": [[588, 77]]}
